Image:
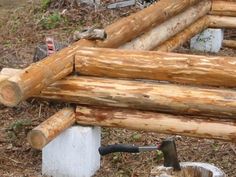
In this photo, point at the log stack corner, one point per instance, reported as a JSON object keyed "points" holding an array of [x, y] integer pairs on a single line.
{"points": [[135, 89]]}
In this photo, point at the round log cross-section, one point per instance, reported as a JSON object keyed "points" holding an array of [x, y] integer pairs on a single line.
{"points": [[49, 129]]}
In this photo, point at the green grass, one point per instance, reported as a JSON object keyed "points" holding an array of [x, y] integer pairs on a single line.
{"points": [[45, 4], [52, 21]]}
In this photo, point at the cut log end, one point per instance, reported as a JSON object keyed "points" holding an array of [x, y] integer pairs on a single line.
{"points": [[37, 139], [10, 93]]}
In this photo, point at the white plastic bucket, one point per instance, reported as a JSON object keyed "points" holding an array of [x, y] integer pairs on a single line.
{"points": [[189, 169]]}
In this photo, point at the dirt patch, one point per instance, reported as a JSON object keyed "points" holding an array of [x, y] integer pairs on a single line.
{"points": [[19, 35]]}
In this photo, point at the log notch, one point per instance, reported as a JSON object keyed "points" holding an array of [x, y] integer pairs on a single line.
{"points": [[225, 8], [37, 76], [181, 68], [157, 122], [34, 78], [52, 127], [143, 95], [8, 72], [169, 28], [222, 22], [180, 38], [229, 43]]}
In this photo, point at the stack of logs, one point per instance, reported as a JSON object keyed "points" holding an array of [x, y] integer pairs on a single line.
{"points": [[138, 89]]}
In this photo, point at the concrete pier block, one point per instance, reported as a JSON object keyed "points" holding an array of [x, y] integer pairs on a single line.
{"points": [[74, 153], [210, 40]]}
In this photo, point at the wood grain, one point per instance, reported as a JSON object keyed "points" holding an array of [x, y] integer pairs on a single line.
{"points": [[144, 95], [51, 128], [172, 67], [169, 28], [157, 122]]}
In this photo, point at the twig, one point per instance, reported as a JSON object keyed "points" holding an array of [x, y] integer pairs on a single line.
{"points": [[233, 148]]}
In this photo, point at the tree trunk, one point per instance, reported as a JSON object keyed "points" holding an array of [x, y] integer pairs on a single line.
{"points": [[182, 37], [180, 68], [229, 43], [222, 22], [144, 95], [52, 127], [157, 122], [169, 28], [223, 8]]}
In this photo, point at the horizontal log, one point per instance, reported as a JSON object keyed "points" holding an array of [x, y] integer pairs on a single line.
{"points": [[37, 76], [229, 43], [169, 28], [144, 95], [157, 122], [52, 127], [182, 37], [172, 67], [222, 22], [225, 8], [130, 27]]}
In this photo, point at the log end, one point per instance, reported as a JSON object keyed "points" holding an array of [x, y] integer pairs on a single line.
{"points": [[10, 93], [37, 139]]}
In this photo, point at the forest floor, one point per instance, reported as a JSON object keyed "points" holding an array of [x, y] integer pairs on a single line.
{"points": [[22, 27]]}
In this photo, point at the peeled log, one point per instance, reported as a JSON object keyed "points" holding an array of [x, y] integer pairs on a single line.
{"points": [[52, 127], [182, 37], [157, 122], [37, 76], [130, 27], [169, 28], [173, 67], [229, 43], [223, 8], [222, 22], [144, 95]]}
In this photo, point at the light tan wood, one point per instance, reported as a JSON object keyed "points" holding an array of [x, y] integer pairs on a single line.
{"points": [[143, 95], [229, 43], [185, 35], [37, 76], [169, 28], [222, 22], [128, 28], [172, 67], [3, 78], [9, 71], [157, 122], [225, 8], [52, 127]]}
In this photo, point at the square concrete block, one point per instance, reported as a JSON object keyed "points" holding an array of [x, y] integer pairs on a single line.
{"points": [[210, 40], [74, 153]]}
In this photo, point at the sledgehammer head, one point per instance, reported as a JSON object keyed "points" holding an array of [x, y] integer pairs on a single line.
{"points": [[168, 148]]}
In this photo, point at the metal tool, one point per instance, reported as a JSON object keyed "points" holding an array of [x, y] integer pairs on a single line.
{"points": [[167, 147]]}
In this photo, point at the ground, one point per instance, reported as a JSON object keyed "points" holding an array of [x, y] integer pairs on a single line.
{"points": [[23, 25]]}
